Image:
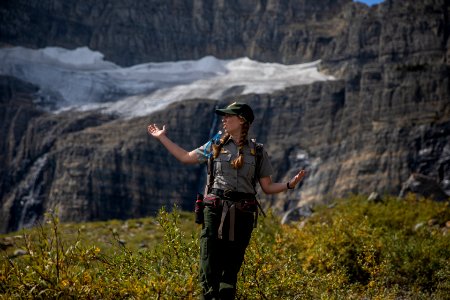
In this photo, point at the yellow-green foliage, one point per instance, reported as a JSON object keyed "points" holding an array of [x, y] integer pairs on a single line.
{"points": [[355, 250]]}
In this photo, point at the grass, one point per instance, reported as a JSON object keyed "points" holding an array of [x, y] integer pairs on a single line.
{"points": [[355, 250]]}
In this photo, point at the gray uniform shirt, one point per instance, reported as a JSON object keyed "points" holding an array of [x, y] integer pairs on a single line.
{"points": [[238, 180]]}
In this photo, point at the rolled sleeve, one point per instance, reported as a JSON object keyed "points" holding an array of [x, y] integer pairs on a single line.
{"points": [[266, 167], [203, 154]]}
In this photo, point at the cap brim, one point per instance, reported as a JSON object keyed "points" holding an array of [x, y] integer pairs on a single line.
{"points": [[224, 111]]}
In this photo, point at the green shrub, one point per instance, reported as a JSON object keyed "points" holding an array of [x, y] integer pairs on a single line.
{"points": [[355, 250]]}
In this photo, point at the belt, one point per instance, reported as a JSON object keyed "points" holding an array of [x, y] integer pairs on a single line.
{"points": [[230, 207], [232, 195]]}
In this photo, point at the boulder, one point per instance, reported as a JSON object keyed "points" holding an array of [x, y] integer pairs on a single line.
{"points": [[424, 186]]}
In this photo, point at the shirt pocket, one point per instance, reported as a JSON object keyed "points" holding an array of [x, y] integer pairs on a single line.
{"points": [[222, 164], [248, 168]]}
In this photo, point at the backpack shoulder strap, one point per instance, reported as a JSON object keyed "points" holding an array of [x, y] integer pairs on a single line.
{"points": [[210, 163], [258, 150], [210, 174]]}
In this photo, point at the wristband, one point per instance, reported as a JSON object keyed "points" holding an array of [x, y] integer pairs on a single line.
{"points": [[288, 187]]}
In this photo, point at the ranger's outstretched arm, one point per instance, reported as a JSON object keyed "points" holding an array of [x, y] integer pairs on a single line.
{"points": [[270, 187], [181, 154]]}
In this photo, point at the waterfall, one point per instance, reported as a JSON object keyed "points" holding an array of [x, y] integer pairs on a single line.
{"points": [[29, 194]]}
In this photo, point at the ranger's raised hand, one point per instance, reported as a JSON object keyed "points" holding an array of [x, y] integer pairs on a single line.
{"points": [[179, 153], [154, 130]]}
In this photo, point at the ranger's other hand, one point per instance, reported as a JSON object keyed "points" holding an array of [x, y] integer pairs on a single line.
{"points": [[296, 179]]}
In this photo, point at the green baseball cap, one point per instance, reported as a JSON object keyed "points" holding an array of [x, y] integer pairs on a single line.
{"points": [[239, 109]]}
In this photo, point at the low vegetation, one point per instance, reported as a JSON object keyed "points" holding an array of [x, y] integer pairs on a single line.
{"points": [[395, 249]]}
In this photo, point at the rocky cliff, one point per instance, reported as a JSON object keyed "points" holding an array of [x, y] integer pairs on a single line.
{"points": [[133, 31], [395, 62], [386, 117]]}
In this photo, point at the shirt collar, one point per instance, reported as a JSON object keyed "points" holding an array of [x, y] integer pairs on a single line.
{"points": [[230, 140]]}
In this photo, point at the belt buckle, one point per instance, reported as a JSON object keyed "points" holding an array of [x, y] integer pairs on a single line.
{"points": [[227, 194]]}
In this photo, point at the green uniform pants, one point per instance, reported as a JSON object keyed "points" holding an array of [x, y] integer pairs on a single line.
{"points": [[221, 259]]}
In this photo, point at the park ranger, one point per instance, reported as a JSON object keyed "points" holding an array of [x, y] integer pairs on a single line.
{"points": [[235, 164]]}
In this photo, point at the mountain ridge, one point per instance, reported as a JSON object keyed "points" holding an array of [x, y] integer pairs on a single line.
{"points": [[135, 32]]}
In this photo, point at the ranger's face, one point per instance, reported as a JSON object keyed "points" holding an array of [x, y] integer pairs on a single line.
{"points": [[232, 123]]}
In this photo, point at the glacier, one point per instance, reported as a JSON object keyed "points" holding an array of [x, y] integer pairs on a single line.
{"points": [[81, 79]]}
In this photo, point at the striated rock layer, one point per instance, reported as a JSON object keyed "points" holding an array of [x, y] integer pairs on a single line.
{"points": [[133, 31], [91, 166], [386, 117]]}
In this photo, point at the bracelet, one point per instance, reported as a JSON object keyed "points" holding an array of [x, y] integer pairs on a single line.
{"points": [[288, 187]]}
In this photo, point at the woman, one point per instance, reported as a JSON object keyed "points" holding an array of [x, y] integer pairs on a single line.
{"points": [[230, 203]]}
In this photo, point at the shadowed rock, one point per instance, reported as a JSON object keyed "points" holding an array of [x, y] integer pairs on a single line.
{"points": [[424, 186]]}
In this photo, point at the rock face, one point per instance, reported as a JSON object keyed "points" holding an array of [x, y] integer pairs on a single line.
{"points": [[395, 61], [92, 167], [133, 31], [386, 117], [412, 36]]}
